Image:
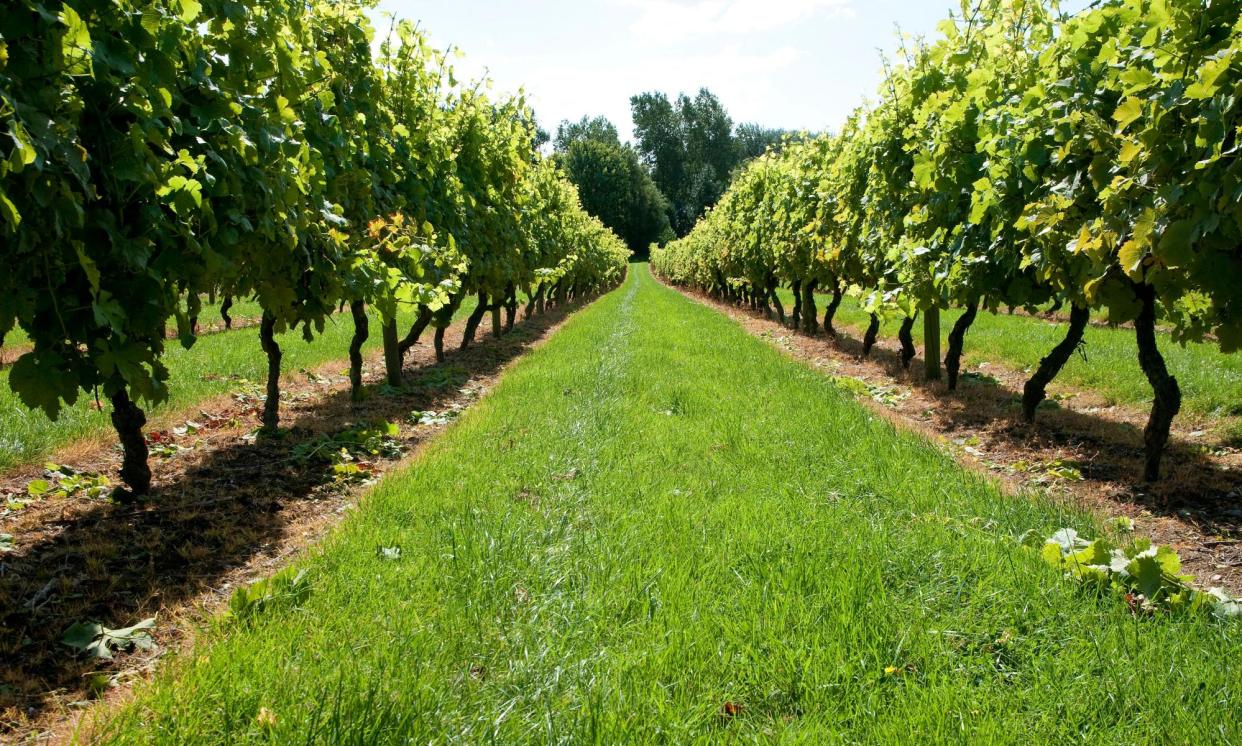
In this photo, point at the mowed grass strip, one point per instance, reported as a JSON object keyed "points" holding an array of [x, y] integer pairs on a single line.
{"points": [[196, 374], [658, 529], [1211, 381]]}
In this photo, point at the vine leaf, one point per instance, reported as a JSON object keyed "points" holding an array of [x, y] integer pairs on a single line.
{"points": [[98, 641]]}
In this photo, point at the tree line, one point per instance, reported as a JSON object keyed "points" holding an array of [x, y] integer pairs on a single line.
{"points": [[685, 153]]}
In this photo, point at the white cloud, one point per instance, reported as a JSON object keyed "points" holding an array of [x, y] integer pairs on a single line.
{"points": [[678, 20]]}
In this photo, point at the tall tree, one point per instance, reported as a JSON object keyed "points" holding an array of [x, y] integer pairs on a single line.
{"points": [[690, 148], [598, 129], [753, 140], [661, 143], [612, 182]]}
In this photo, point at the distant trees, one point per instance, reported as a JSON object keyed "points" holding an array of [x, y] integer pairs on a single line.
{"points": [[753, 140], [612, 182], [685, 155], [692, 149]]}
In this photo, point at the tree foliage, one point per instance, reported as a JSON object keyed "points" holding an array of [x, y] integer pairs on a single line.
{"points": [[693, 149], [613, 183]]}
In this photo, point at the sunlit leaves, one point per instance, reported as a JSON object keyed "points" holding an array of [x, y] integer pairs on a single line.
{"points": [[179, 148], [1022, 157], [76, 43]]}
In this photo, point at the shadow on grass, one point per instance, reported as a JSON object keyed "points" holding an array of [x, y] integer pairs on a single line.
{"points": [[116, 564]]}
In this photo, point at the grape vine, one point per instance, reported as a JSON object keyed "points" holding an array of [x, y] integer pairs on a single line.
{"points": [[1025, 157], [160, 151]]}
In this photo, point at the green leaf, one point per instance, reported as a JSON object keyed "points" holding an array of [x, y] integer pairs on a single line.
{"points": [[1176, 247], [1129, 110], [151, 19], [76, 43], [90, 268], [9, 211], [82, 636], [24, 152], [189, 9], [1131, 256], [1147, 573], [41, 380], [99, 641]]}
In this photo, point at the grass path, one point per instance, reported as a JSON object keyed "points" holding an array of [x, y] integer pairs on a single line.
{"points": [[658, 529], [1211, 380], [196, 374]]}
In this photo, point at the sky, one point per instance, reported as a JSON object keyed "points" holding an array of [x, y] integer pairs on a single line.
{"points": [[791, 64]]}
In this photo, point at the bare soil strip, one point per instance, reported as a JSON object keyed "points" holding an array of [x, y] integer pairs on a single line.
{"points": [[226, 509], [1083, 449]]}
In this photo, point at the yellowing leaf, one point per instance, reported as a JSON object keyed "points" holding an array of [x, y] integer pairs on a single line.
{"points": [[1130, 110], [1129, 151], [189, 9], [1131, 257]]}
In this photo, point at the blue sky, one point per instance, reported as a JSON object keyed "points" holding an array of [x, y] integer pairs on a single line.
{"points": [[796, 64]]}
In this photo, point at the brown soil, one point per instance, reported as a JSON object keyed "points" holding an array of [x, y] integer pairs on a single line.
{"points": [[1082, 449], [226, 509]]}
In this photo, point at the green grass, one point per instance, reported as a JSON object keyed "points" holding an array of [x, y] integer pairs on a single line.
{"points": [[208, 317], [1211, 381], [196, 374], [656, 514]]}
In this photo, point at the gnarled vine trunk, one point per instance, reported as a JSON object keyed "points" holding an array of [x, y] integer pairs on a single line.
{"points": [[810, 315], [795, 316], [511, 308], [439, 344], [541, 305], [957, 340], [1036, 389], [128, 420], [773, 286], [476, 317], [225, 307], [873, 333], [442, 318], [497, 324], [838, 292], [267, 339], [416, 331], [534, 300], [392, 352], [906, 336], [362, 330], [1168, 401]]}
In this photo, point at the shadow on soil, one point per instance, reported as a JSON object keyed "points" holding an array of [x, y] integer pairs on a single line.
{"points": [[117, 564], [1109, 451]]}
